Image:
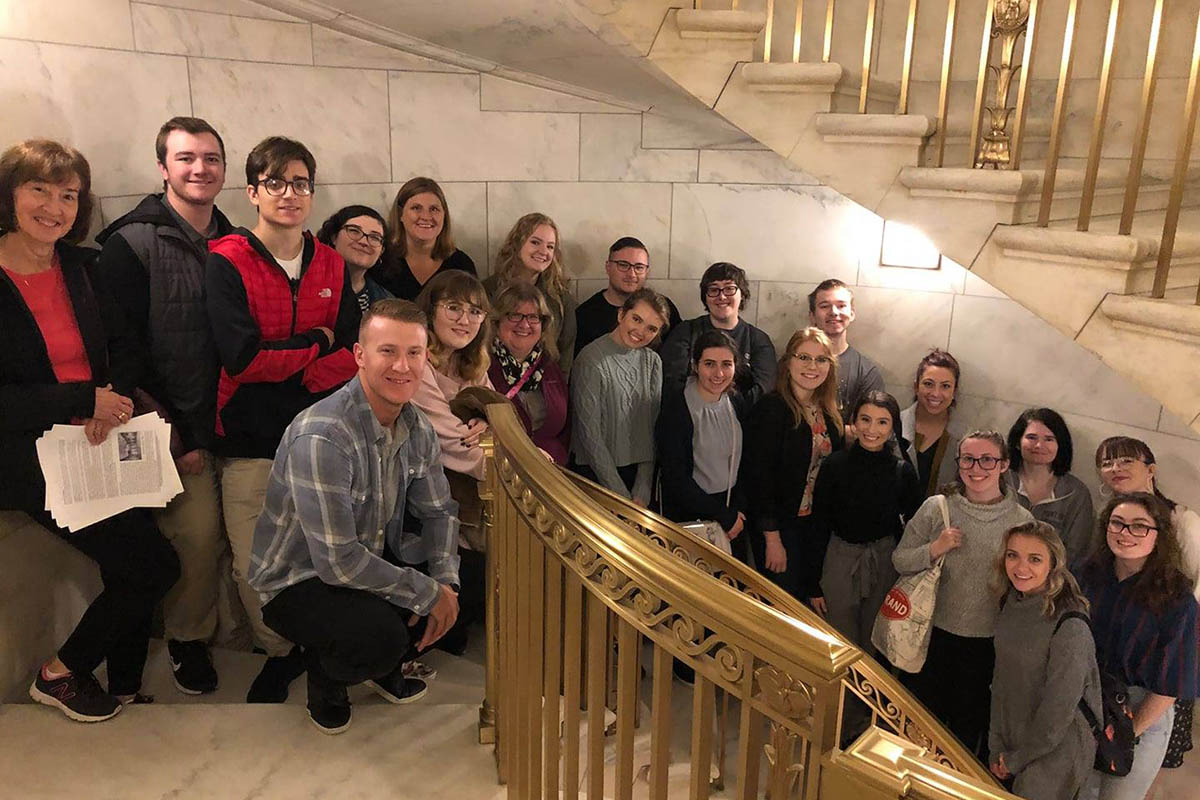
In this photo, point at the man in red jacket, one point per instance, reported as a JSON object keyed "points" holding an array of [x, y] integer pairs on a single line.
{"points": [[284, 319]]}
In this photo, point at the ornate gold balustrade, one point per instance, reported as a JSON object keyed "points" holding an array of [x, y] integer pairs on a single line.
{"points": [[586, 584]]}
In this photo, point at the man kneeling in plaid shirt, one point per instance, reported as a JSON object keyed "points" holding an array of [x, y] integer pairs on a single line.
{"points": [[346, 470]]}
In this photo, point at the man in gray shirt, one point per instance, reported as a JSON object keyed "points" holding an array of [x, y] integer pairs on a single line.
{"points": [[831, 308]]}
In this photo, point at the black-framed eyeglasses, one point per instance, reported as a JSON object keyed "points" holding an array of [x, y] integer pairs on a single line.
{"points": [[1124, 462], [629, 266], [530, 319], [356, 233], [276, 187], [717, 291], [986, 462], [1138, 530], [455, 311], [806, 359]]}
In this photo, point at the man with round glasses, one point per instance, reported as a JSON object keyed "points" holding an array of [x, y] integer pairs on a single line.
{"points": [[627, 267], [284, 318]]}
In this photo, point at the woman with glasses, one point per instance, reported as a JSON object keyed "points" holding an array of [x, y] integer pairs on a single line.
{"points": [[981, 510], [531, 253], [789, 434], [1144, 617], [359, 235], [615, 396], [524, 367], [932, 443], [1040, 473], [1127, 465], [420, 241]]}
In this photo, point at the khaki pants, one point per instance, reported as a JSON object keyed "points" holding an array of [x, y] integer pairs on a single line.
{"points": [[243, 490], [192, 524]]}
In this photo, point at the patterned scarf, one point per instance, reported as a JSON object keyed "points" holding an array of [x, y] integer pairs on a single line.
{"points": [[514, 367]]}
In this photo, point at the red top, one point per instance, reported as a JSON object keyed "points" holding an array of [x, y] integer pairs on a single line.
{"points": [[45, 293]]}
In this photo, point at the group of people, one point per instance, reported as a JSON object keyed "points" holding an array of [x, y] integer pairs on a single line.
{"points": [[309, 384]]}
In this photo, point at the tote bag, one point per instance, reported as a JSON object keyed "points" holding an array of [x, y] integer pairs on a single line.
{"points": [[905, 621]]}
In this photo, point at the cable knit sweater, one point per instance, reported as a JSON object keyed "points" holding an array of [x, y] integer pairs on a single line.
{"points": [[965, 606]]}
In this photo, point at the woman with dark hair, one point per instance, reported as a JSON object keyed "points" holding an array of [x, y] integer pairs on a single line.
{"points": [[788, 437], [359, 235], [699, 437], [1127, 465], [932, 442], [863, 496], [1045, 665], [954, 683], [420, 241], [1040, 473], [1144, 617], [615, 395], [532, 253], [524, 367], [68, 361]]}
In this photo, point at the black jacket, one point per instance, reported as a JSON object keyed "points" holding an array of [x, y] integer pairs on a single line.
{"points": [[682, 498], [757, 362], [31, 398], [154, 269]]}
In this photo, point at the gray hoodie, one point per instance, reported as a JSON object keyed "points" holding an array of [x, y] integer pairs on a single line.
{"points": [[1069, 509]]}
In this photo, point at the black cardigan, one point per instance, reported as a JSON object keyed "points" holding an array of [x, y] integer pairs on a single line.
{"points": [[31, 398], [682, 498], [775, 461]]}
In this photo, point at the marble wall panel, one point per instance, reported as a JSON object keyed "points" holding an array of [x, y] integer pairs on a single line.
{"points": [[1173, 425], [897, 327], [194, 33], [975, 285], [107, 103], [336, 49], [948, 277], [750, 166], [469, 210], [782, 308], [95, 23], [499, 94], [782, 233], [702, 130], [238, 8], [340, 114], [628, 22], [610, 149], [438, 129], [1009, 354], [590, 217]]}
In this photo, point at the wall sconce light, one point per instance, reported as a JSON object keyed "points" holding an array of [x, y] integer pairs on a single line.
{"points": [[906, 247]]}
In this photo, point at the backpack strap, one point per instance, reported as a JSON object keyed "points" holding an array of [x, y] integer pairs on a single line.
{"points": [[1088, 716]]}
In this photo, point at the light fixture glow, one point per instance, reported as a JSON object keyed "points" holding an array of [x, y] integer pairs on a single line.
{"points": [[905, 246]]}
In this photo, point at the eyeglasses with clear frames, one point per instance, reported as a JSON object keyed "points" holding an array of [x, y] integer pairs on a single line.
{"points": [[356, 233], [988, 463], [629, 266], [455, 311], [717, 291], [1124, 462], [276, 187], [1137, 530], [530, 319], [806, 359]]}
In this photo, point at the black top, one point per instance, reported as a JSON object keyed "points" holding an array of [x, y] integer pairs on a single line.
{"points": [[755, 370], [31, 398], [395, 276], [682, 498], [596, 316]]}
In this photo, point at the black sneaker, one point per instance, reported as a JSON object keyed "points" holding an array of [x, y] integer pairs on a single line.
{"points": [[271, 685], [78, 696], [192, 667], [328, 705], [395, 688]]}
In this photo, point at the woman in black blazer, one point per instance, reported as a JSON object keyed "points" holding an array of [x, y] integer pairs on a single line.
{"points": [[789, 434], [65, 364]]}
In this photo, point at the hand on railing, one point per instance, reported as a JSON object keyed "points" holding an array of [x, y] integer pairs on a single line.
{"points": [[818, 605]]}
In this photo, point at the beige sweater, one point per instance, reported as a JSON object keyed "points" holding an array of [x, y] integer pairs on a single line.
{"points": [[433, 397]]}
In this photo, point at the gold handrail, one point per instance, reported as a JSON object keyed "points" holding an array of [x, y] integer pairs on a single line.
{"points": [[1100, 119], [1142, 132], [827, 44], [868, 52], [1060, 113], [944, 83], [985, 49], [910, 30], [1018, 134]]}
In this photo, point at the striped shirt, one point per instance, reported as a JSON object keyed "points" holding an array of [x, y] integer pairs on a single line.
{"points": [[328, 514], [1153, 651]]}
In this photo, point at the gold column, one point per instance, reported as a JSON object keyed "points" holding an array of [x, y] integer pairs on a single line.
{"points": [[660, 723], [944, 85], [1096, 147], [985, 49], [487, 493], [1018, 134], [767, 30], [827, 47], [1133, 180], [1182, 157], [868, 52], [910, 31], [797, 31], [1010, 18], [1060, 113]]}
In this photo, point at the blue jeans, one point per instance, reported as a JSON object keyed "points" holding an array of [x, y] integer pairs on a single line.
{"points": [[1147, 758]]}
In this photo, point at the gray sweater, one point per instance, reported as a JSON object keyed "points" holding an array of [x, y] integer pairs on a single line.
{"points": [[965, 606], [1069, 509], [1039, 678], [615, 394]]}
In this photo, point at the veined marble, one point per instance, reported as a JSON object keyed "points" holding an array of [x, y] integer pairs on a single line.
{"points": [[95, 23], [195, 33], [896, 328], [444, 136], [336, 49], [610, 149], [701, 130], [590, 217], [500, 94], [238, 8], [341, 115], [750, 166]]}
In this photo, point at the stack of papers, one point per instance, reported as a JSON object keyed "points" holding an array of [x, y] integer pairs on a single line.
{"points": [[86, 483]]}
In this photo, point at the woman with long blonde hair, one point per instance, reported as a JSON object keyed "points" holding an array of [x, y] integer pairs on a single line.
{"points": [[1045, 664], [789, 434], [531, 253]]}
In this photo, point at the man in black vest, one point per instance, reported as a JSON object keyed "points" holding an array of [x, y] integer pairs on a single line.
{"points": [[153, 263]]}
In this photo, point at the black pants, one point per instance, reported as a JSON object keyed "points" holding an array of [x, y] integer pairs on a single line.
{"points": [[348, 635], [137, 566], [801, 574], [955, 684]]}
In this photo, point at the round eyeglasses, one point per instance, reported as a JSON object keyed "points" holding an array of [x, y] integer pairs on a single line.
{"points": [[455, 311], [276, 187], [356, 233]]}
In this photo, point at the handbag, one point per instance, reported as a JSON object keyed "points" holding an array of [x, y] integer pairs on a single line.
{"points": [[1114, 733], [709, 529], [905, 620]]}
